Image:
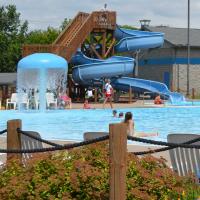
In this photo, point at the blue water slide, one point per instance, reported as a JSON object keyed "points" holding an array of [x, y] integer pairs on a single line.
{"points": [[93, 69], [117, 67], [142, 85], [132, 40]]}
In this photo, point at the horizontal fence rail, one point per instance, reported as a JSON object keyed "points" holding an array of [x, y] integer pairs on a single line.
{"points": [[56, 146]]}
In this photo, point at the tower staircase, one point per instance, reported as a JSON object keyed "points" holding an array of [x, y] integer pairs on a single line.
{"points": [[75, 33]]}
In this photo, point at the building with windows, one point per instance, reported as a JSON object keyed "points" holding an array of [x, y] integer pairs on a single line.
{"points": [[168, 64]]}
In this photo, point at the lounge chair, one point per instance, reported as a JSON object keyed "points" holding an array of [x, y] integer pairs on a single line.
{"points": [[51, 100], [93, 135], [30, 143], [184, 161], [12, 101]]}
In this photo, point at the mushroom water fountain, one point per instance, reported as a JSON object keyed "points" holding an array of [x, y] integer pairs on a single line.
{"points": [[40, 74]]}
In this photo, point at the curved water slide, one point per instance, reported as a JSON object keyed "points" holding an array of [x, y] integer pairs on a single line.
{"points": [[90, 69], [117, 67], [142, 85], [132, 40]]}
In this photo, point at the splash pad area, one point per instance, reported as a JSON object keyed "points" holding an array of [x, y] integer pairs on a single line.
{"points": [[71, 124], [40, 74]]}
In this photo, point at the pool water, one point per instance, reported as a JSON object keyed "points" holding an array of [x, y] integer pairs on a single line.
{"points": [[71, 124], [185, 103]]}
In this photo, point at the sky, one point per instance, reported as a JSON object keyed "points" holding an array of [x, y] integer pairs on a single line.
{"points": [[43, 13]]}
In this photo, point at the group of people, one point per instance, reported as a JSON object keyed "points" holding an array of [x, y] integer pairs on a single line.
{"points": [[121, 114], [108, 93], [128, 118]]}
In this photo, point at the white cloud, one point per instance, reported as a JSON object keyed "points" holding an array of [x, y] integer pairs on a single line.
{"points": [[43, 13]]}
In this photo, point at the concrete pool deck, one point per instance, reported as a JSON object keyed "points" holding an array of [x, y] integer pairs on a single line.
{"points": [[136, 104]]}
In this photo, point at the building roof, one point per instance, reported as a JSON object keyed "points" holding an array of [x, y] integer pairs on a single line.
{"points": [[178, 36], [8, 78]]}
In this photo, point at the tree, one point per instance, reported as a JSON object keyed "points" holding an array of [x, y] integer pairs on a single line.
{"points": [[42, 37], [46, 36], [12, 36], [65, 23]]}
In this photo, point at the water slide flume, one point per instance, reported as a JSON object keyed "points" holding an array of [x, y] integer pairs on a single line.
{"points": [[94, 69], [132, 40], [117, 67], [142, 85]]}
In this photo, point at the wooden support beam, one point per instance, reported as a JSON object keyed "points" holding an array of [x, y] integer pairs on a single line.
{"points": [[130, 94], [94, 50], [110, 48], [118, 157], [14, 139], [104, 44]]}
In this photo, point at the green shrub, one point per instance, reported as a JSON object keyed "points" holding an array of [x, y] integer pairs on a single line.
{"points": [[83, 174]]}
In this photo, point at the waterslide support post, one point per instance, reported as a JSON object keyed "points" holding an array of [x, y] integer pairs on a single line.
{"points": [[104, 44], [136, 63], [130, 94]]}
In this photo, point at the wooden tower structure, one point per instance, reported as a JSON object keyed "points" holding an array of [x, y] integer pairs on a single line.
{"points": [[92, 32]]}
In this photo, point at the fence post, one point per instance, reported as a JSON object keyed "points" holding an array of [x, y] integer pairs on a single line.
{"points": [[13, 139], [130, 94], [118, 153]]}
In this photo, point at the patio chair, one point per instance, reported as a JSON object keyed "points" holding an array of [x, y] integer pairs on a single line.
{"points": [[93, 135], [51, 100], [12, 101], [30, 143], [184, 160], [24, 100], [37, 100]]}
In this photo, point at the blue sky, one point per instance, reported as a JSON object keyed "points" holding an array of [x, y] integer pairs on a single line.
{"points": [[43, 13]]}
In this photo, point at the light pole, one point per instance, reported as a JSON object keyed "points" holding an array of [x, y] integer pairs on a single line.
{"points": [[144, 23], [136, 62], [188, 50]]}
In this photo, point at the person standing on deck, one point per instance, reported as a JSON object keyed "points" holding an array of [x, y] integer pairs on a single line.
{"points": [[108, 93]]}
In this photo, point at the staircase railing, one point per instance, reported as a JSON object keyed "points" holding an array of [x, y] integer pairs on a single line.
{"points": [[78, 37], [79, 18]]}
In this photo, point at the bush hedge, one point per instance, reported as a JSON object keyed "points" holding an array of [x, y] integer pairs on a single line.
{"points": [[83, 174]]}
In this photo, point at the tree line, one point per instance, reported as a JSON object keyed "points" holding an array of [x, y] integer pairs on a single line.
{"points": [[14, 33]]}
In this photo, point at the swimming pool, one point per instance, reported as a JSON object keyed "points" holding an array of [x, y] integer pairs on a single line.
{"points": [[71, 124]]}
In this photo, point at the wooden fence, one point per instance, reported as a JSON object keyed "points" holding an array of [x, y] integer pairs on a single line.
{"points": [[117, 148]]}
